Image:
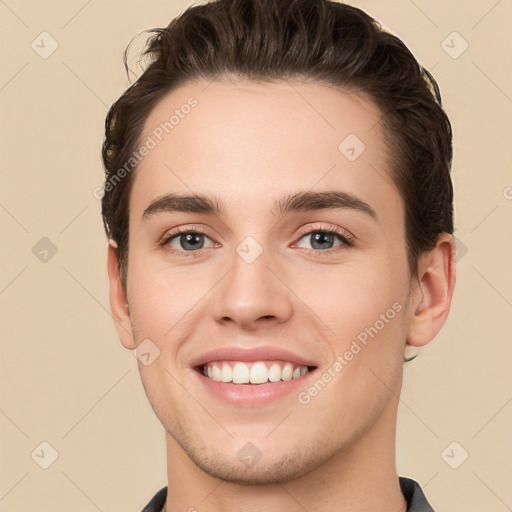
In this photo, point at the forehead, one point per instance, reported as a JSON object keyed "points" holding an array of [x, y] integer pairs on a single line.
{"points": [[250, 142]]}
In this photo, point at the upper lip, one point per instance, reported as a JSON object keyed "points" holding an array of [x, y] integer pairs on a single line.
{"points": [[263, 353]]}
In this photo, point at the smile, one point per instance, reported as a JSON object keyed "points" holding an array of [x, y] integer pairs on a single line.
{"points": [[256, 372]]}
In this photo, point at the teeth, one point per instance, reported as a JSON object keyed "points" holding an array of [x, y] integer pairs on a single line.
{"points": [[226, 374], [274, 373], [287, 372], [240, 373], [258, 372]]}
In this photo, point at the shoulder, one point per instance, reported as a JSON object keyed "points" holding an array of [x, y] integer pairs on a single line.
{"points": [[416, 500], [413, 494], [157, 501]]}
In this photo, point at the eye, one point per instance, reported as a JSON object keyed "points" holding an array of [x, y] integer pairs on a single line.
{"points": [[183, 240], [322, 240]]}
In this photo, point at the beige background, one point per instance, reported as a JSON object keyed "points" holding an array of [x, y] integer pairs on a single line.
{"points": [[66, 379]]}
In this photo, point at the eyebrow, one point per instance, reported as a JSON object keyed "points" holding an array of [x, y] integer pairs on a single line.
{"points": [[303, 201]]}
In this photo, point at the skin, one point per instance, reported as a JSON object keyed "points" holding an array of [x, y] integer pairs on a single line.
{"points": [[251, 144]]}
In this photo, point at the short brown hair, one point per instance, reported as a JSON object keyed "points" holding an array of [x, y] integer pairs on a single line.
{"points": [[320, 40]]}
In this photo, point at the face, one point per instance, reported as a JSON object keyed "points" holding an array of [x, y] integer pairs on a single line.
{"points": [[322, 277]]}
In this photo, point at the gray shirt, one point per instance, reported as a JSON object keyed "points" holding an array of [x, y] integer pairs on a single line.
{"points": [[416, 501]]}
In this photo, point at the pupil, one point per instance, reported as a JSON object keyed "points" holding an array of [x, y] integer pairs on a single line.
{"points": [[322, 238], [192, 240]]}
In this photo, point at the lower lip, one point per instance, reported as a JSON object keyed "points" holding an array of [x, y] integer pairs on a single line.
{"points": [[252, 395]]}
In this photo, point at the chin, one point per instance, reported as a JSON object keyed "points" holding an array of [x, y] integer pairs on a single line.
{"points": [[261, 473], [249, 466]]}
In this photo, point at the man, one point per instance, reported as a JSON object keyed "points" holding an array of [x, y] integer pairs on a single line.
{"points": [[280, 215]]}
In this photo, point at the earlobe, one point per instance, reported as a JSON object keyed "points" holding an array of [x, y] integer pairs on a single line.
{"points": [[118, 302], [432, 296]]}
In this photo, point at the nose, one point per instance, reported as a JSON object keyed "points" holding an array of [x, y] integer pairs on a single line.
{"points": [[254, 294]]}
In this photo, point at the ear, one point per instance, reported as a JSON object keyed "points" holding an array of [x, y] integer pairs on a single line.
{"points": [[118, 304], [432, 293]]}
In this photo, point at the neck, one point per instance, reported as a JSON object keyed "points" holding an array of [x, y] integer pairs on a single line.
{"points": [[360, 478]]}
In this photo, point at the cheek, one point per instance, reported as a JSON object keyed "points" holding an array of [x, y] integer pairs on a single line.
{"points": [[163, 300], [365, 310], [350, 299]]}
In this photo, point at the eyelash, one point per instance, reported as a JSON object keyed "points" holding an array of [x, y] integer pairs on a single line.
{"points": [[344, 237]]}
